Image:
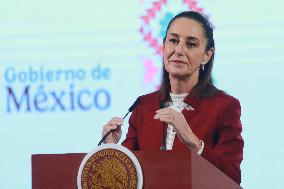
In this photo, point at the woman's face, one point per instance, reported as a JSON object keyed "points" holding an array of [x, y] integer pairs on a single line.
{"points": [[184, 48]]}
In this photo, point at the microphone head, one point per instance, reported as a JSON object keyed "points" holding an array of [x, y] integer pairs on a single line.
{"points": [[134, 105], [162, 105]]}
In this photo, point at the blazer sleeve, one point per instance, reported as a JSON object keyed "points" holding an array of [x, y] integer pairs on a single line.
{"points": [[227, 150]]}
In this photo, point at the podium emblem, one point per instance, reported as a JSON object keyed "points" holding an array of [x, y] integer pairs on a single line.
{"points": [[110, 166]]}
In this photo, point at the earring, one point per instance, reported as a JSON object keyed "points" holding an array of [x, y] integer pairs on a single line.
{"points": [[202, 67]]}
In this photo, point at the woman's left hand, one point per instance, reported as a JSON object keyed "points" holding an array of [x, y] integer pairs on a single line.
{"points": [[178, 121]]}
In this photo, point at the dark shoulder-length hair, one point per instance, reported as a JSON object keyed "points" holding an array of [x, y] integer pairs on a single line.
{"points": [[204, 86]]}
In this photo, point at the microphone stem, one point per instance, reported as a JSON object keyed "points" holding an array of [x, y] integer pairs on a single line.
{"points": [[104, 137], [125, 115]]}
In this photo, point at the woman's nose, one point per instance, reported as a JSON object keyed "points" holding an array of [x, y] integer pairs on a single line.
{"points": [[179, 49]]}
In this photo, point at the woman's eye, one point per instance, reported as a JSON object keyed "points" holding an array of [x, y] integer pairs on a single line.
{"points": [[191, 45], [173, 40]]}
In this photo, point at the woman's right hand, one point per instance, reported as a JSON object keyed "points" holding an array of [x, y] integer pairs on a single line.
{"points": [[114, 124]]}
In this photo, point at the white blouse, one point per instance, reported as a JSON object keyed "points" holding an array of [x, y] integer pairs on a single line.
{"points": [[178, 105]]}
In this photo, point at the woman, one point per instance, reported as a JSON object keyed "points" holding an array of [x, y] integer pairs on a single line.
{"points": [[204, 119]]}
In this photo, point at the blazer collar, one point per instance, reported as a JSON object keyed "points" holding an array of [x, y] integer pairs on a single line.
{"points": [[194, 102]]}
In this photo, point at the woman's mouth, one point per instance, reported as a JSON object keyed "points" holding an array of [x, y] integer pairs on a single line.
{"points": [[177, 62]]}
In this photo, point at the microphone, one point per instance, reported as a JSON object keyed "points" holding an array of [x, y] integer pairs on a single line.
{"points": [[132, 107], [163, 146]]}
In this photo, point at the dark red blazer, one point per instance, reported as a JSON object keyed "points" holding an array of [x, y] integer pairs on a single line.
{"points": [[215, 120]]}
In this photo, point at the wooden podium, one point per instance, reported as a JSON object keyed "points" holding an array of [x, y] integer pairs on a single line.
{"points": [[161, 169]]}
